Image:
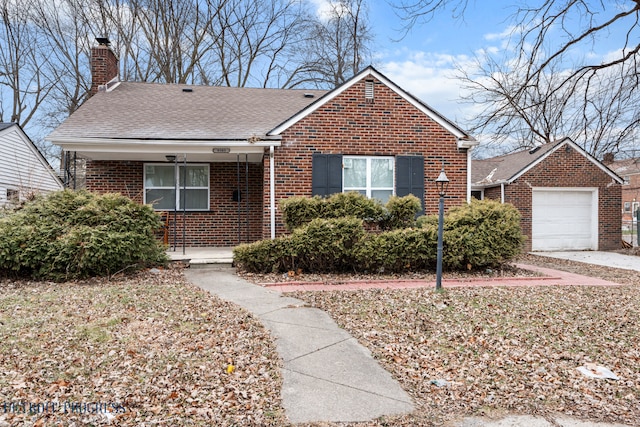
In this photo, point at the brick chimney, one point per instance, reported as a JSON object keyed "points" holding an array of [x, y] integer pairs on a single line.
{"points": [[104, 64], [608, 158]]}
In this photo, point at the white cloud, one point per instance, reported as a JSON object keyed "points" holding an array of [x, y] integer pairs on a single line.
{"points": [[431, 78], [325, 9]]}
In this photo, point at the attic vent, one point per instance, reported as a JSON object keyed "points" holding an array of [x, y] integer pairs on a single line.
{"points": [[309, 95], [368, 90], [534, 149], [187, 89]]}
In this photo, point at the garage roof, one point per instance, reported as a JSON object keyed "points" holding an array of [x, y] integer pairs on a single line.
{"points": [[507, 168]]}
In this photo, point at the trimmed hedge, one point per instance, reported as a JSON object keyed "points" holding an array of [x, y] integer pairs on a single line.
{"points": [[320, 246], [71, 235], [484, 233], [408, 249], [399, 212], [481, 234]]}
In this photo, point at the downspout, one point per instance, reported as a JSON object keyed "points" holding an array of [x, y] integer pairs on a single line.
{"points": [[272, 192], [502, 192], [469, 175]]}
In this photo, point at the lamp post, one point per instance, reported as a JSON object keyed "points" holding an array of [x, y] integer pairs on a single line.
{"points": [[442, 182]]}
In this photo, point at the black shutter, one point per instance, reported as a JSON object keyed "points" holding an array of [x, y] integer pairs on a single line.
{"points": [[410, 177], [326, 174]]}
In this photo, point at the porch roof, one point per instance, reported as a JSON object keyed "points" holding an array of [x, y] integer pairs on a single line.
{"points": [[156, 118]]}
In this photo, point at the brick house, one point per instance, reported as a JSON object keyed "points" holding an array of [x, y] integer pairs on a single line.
{"points": [[568, 200], [629, 170], [217, 160]]}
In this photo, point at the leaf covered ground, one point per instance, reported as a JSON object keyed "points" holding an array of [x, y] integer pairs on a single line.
{"points": [[503, 350], [146, 350], [170, 354]]}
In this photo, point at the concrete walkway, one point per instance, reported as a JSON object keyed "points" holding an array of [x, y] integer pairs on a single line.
{"points": [[327, 375], [607, 259]]}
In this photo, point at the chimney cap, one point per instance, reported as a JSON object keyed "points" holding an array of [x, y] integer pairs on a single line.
{"points": [[103, 41]]}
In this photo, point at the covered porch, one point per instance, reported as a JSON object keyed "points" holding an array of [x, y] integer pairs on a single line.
{"points": [[208, 193]]}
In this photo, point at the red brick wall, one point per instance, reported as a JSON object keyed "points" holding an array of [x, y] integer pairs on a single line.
{"points": [[348, 125], [104, 66], [630, 194], [568, 169], [217, 227]]}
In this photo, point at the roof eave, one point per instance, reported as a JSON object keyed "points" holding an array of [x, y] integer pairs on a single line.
{"points": [[467, 143]]}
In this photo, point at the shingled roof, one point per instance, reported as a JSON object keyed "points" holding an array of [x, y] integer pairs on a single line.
{"points": [[183, 112], [626, 166], [507, 168]]}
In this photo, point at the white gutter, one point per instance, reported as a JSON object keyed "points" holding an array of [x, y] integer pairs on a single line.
{"points": [[98, 141], [272, 195]]}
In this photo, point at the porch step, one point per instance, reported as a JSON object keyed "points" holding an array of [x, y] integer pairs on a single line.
{"points": [[203, 257]]}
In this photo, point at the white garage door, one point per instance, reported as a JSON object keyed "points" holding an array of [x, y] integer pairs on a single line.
{"points": [[564, 219]]}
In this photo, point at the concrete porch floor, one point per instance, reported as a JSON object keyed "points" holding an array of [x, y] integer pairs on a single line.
{"points": [[202, 256]]}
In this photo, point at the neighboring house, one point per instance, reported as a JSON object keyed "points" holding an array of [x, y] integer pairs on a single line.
{"points": [[629, 170], [246, 149], [568, 200], [23, 170]]}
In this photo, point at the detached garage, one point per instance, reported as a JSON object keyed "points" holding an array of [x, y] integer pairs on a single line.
{"points": [[568, 199]]}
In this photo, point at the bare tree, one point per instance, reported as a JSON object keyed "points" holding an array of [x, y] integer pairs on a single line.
{"points": [[45, 47], [258, 41], [24, 84], [597, 97], [339, 43]]}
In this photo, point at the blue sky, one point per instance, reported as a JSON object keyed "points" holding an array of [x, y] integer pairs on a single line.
{"points": [[422, 62]]}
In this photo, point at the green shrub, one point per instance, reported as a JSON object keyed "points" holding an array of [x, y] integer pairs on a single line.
{"points": [[266, 256], [323, 245], [401, 212], [297, 211], [69, 235], [484, 233], [397, 251], [353, 204], [326, 245], [427, 220]]}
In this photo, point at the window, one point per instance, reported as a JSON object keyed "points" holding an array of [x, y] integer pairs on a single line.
{"points": [[625, 180], [13, 195], [627, 206], [371, 176], [160, 182], [476, 194]]}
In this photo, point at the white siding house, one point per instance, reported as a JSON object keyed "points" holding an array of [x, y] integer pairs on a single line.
{"points": [[23, 169]]}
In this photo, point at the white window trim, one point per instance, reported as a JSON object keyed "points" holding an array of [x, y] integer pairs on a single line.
{"points": [[177, 180], [368, 189]]}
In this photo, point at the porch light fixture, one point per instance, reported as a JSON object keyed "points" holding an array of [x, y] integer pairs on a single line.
{"points": [[442, 183], [170, 158]]}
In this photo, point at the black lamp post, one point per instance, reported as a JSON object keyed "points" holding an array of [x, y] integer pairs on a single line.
{"points": [[442, 182]]}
